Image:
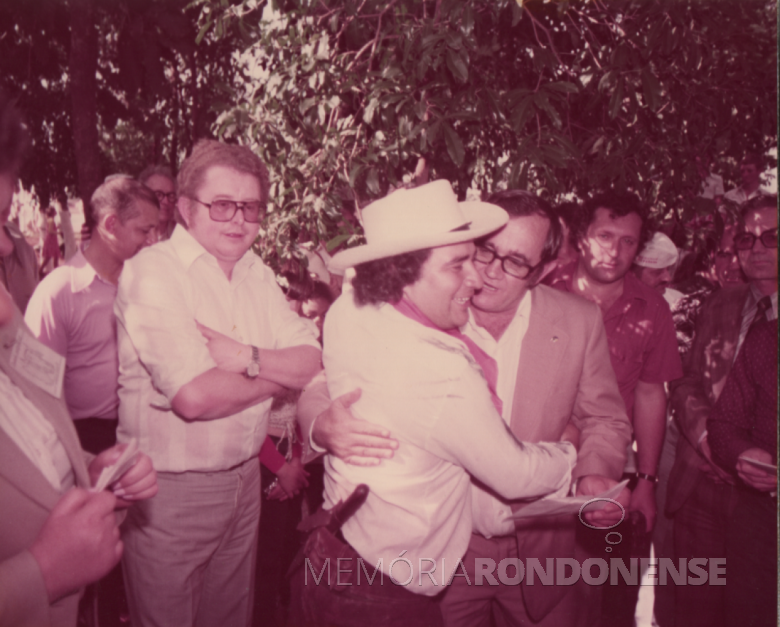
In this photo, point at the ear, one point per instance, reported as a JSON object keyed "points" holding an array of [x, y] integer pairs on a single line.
{"points": [[184, 206], [110, 223]]}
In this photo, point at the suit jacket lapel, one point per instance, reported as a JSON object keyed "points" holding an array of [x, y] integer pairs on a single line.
{"points": [[543, 348]]}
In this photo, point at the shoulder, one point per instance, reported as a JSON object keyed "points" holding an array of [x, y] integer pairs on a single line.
{"points": [[56, 284], [656, 303], [571, 305], [733, 296]]}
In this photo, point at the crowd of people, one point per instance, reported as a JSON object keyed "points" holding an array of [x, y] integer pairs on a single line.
{"points": [[246, 443]]}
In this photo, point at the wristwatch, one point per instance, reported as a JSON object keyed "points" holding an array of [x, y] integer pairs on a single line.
{"points": [[253, 369]]}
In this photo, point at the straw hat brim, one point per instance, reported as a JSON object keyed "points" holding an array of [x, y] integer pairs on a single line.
{"points": [[482, 218]]}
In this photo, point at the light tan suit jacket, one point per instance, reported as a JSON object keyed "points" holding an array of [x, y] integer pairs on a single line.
{"points": [[26, 498], [565, 373]]}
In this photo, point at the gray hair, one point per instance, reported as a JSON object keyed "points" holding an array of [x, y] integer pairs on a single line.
{"points": [[120, 196]]}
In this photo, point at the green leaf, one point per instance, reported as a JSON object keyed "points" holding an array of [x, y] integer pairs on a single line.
{"points": [[372, 182], [368, 114], [616, 101], [651, 89], [517, 12], [337, 241], [457, 66], [454, 144], [563, 87]]}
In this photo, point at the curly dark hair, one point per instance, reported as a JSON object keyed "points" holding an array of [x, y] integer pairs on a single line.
{"points": [[384, 280], [619, 204]]}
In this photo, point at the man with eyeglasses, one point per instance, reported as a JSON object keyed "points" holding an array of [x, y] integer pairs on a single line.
{"points": [[554, 377], [703, 497], [159, 179], [205, 340]]}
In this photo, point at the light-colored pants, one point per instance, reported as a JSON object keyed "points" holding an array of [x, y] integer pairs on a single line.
{"points": [[190, 551]]}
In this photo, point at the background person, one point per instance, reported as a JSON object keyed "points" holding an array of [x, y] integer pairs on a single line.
{"points": [[161, 181], [18, 263]]}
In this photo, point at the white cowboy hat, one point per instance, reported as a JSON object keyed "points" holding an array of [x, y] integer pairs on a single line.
{"points": [[659, 252], [419, 218]]}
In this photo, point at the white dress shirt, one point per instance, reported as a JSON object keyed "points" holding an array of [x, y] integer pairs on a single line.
{"points": [[426, 388], [491, 516], [163, 290]]}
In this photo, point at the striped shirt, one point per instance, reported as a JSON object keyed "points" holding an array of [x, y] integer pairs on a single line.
{"points": [[163, 290]]}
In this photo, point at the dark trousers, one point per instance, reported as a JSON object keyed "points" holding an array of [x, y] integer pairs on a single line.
{"points": [[350, 600], [751, 567], [104, 602], [96, 434]]}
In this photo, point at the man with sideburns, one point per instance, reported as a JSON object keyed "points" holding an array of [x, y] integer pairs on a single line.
{"points": [[554, 378], [395, 335]]}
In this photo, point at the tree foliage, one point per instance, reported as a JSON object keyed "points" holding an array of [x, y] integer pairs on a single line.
{"points": [[341, 98], [158, 79]]}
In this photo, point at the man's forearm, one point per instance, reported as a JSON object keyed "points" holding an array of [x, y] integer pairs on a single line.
{"points": [[217, 394], [290, 367], [649, 425], [314, 401]]}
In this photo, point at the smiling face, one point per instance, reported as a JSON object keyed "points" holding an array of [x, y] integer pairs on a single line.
{"points": [[523, 238], [760, 263], [447, 282], [610, 245], [227, 241]]}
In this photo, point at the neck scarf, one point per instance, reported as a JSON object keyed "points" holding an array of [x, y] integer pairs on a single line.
{"points": [[485, 361]]}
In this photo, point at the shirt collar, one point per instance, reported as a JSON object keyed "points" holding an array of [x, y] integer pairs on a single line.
{"points": [[472, 329], [82, 273], [189, 250], [633, 287], [756, 295]]}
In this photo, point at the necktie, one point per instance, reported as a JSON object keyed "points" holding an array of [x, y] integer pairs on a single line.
{"points": [[761, 308]]}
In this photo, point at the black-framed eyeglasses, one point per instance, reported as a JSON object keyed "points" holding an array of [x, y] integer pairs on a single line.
{"points": [[746, 241], [171, 196], [511, 265], [224, 210]]}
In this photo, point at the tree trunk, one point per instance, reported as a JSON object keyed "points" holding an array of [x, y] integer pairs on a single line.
{"points": [[83, 92]]}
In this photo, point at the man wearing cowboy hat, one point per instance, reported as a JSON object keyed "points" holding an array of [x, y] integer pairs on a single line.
{"points": [[554, 373], [395, 336]]}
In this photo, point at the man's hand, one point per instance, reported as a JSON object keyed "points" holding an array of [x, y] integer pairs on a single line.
{"points": [[79, 542], [292, 479], [351, 439], [229, 354], [643, 500], [710, 468], [757, 478], [139, 481], [593, 485]]}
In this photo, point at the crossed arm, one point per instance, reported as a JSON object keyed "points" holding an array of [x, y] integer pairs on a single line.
{"points": [[224, 390]]}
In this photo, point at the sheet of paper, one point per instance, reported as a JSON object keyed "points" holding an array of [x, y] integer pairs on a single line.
{"points": [[38, 363], [771, 468], [568, 505], [112, 473]]}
